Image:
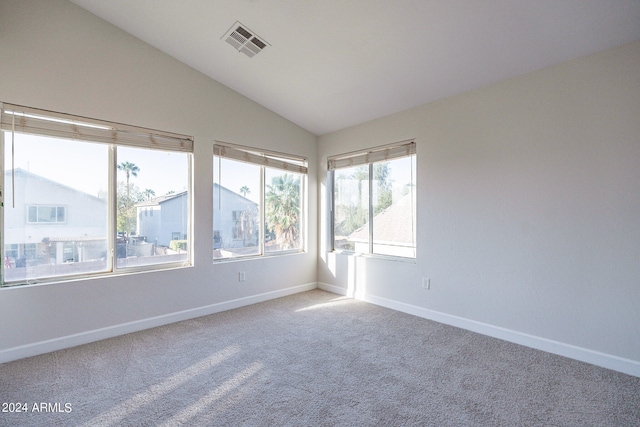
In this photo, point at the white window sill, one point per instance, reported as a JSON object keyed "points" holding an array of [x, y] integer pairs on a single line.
{"points": [[375, 256]]}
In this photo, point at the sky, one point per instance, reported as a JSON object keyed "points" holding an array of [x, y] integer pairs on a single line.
{"points": [[401, 172], [236, 175], [84, 166]]}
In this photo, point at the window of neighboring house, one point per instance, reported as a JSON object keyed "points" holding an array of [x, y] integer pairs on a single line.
{"points": [[236, 233], [72, 187], [11, 251], [30, 250], [258, 202], [373, 201], [46, 214]]}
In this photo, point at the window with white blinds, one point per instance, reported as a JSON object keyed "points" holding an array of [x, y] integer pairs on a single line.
{"points": [[373, 203], [258, 202], [262, 158], [51, 124], [372, 155], [76, 191]]}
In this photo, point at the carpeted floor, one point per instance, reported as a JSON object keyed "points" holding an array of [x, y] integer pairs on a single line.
{"points": [[313, 359]]}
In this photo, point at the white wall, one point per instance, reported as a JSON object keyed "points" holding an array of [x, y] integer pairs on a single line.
{"points": [[528, 210], [59, 57]]}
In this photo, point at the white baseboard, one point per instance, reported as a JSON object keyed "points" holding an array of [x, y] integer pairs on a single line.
{"points": [[68, 341], [335, 289], [604, 360]]}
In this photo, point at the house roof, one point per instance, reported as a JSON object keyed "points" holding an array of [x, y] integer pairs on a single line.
{"points": [[161, 199], [217, 187], [27, 174], [392, 225]]}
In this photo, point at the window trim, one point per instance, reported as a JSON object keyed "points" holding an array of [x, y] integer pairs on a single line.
{"points": [[369, 157], [267, 159], [27, 120]]}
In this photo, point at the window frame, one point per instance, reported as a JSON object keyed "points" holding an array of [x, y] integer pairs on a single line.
{"points": [[16, 119], [273, 160], [370, 157]]}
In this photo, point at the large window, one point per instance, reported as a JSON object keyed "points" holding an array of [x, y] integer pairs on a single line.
{"points": [[374, 201], [78, 192], [258, 202]]}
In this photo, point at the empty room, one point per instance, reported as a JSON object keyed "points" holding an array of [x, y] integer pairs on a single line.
{"points": [[283, 212]]}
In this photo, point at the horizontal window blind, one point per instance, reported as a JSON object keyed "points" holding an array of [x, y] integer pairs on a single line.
{"points": [[373, 155], [16, 118], [272, 160]]}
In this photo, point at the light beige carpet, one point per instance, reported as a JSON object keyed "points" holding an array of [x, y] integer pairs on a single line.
{"points": [[313, 359]]}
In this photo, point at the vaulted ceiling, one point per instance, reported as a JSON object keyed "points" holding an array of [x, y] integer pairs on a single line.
{"points": [[330, 64]]}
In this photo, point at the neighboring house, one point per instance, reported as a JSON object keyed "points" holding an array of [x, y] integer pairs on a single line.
{"points": [[235, 219], [51, 223], [163, 219], [393, 230]]}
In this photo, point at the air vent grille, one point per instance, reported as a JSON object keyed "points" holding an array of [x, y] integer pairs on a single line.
{"points": [[242, 31], [244, 40]]}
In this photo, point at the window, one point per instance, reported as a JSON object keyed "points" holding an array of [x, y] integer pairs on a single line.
{"points": [[75, 190], [46, 214], [374, 201], [258, 202], [157, 181]]}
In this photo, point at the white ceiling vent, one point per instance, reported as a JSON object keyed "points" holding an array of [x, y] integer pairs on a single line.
{"points": [[244, 40]]}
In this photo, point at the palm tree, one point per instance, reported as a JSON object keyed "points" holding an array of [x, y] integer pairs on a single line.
{"points": [[245, 190], [130, 169], [149, 193], [283, 210]]}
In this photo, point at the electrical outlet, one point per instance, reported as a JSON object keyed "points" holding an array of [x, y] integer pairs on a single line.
{"points": [[426, 283], [241, 276]]}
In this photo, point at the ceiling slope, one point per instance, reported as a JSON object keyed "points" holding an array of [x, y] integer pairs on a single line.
{"points": [[332, 64]]}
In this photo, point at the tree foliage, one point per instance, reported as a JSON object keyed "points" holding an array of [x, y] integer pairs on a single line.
{"points": [[127, 198], [149, 194], [282, 212], [383, 187], [130, 169], [354, 215]]}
